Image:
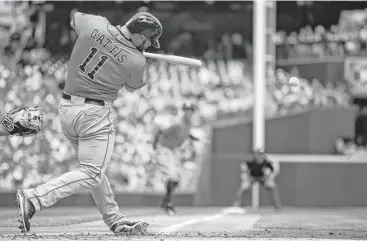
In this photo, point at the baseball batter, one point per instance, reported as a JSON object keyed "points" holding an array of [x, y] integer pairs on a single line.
{"points": [[167, 141], [105, 58]]}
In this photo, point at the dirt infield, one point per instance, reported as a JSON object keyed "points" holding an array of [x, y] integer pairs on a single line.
{"points": [[195, 224]]}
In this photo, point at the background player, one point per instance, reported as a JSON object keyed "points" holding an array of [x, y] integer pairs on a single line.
{"points": [[105, 58], [167, 141], [263, 170]]}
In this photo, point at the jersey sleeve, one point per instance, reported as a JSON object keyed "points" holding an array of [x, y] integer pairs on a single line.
{"points": [[136, 80], [81, 21]]}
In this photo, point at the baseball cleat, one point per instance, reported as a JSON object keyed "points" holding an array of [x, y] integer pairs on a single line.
{"points": [[26, 211], [129, 228], [169, 209]]}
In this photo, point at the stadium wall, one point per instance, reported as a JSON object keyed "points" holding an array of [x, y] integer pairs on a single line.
{"points": [[328, 70], [305, 180], [310, 132], [320, 181]]}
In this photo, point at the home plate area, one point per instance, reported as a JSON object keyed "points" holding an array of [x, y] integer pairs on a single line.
{"points": [[200, 223]]}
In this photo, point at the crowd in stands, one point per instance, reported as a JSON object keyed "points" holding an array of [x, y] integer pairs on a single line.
{"points": [[318, 42], [353, 148], [134, 166], [292, 93], [222, 90], [309, 44]]}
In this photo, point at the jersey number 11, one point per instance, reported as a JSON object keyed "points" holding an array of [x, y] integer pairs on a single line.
{"points": [[102, 61]]}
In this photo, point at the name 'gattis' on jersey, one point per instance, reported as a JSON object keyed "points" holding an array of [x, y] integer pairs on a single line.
{"points": [[100, 43], [108, 44]]}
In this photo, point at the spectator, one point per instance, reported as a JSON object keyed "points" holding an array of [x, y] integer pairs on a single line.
{"points": [[345, 146], [238, 47]]}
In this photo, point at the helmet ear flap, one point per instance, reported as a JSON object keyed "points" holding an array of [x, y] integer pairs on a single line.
{"points": [[156, 44]]}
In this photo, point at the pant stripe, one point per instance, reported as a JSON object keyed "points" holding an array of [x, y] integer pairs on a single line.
{"points": [[100, 171], [108, 145], [110, 193], [61, 187], [39, 202]]}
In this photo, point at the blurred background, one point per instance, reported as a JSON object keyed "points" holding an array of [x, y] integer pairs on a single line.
{"points": [[316, 71], [37, 41]]}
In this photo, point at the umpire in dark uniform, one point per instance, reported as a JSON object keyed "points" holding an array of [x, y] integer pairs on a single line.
{"points": [[262, 170]]}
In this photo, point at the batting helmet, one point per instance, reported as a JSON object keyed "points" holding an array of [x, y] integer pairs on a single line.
{"points": [[146, 24]]}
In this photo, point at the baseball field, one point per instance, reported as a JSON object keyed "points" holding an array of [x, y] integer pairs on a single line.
{"points": [[195, 223]]}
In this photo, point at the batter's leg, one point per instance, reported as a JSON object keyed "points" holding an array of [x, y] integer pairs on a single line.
{"points": [[95, 145], [103, 195], [93, 164], [105, 200]]}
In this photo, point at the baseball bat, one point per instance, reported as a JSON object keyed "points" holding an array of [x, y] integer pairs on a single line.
{"points": [[173, 59]]}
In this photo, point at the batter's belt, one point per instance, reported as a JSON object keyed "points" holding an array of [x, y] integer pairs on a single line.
{"points": [[87, 100]]}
